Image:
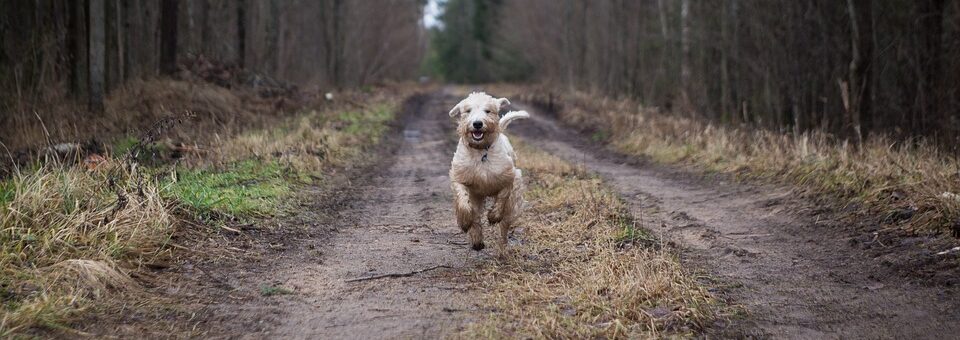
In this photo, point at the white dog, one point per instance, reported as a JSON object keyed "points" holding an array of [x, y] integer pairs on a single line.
{"points": [[483, 166]]}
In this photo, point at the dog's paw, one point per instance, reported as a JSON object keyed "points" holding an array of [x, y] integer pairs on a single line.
{"points": [[478, 246]]}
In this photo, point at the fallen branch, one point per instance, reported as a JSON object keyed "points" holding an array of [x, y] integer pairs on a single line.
{"points": [[393, 275]]}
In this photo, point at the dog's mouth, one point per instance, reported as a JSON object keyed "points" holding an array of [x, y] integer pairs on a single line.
{"points": [[477, 135]]}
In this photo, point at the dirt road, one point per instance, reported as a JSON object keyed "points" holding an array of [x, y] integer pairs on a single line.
{"points": [[796, 269], [792, 268]]}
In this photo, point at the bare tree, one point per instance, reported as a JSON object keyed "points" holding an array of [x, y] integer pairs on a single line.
{"points": [[861, 51], [242, 33], [97, 50], [170, 9]]}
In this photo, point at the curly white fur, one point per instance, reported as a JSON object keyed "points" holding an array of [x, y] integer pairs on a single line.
{"points": [[483, 166]]}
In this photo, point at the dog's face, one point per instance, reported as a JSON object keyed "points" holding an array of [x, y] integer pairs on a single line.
{"points": [[479, 122]]}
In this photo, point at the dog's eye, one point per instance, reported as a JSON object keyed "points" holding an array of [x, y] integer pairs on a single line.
{"points": [[487, 110]]}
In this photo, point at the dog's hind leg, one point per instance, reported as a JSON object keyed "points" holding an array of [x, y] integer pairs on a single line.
{"points": [[500, 206], [510, 205]]}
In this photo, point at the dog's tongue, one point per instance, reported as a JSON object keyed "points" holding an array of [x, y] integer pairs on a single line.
{"points": [[477, 134]]}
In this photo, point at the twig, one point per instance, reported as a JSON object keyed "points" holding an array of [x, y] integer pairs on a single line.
{"points": [[948, 251], [392, 275]]}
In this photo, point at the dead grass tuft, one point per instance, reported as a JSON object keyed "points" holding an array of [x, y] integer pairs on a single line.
{"points": [[575, 276], [63, 227], [89, 278]]}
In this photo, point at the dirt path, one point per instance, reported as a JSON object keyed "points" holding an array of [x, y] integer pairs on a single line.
{"points": [[790, 265], [400, 223], [397, 220]]}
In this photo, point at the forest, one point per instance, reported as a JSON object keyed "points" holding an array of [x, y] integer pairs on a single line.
{"points": [[286, 168], [854, 68]]}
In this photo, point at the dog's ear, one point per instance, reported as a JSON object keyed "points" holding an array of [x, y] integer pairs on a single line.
{"points": [[456, 109], [501, 102]]}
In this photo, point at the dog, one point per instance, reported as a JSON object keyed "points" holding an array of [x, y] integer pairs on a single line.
{"points": [[484, 167]]}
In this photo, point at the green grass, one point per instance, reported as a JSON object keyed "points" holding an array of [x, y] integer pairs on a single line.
{"points": [[368, 124], [249, 188], [630, 233], [6, 192], [123, 145]]}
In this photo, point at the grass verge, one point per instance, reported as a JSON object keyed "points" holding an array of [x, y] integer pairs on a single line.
{"points": [[585, 268], [70, 236]]}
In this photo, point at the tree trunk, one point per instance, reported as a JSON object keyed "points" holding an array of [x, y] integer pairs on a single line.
{"points": [[339, 41], [168, 36], [861, 47], [725, 106], [118, 21], [685, 54], [205, 29], [97, 53], [241, 33], [78, 69], [274, 35], [112, 61], [931, 31]]}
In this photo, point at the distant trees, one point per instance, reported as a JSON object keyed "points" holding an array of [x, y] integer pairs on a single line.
{"points": [[854, 67], [86, 48], [467, 49]]}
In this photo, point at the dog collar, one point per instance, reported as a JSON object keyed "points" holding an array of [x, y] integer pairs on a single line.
{"points": [[485, 151]]}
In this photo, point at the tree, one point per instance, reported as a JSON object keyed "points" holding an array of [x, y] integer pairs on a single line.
{"points": [[97, 50], [169, 11], [76, 55], [861, 51], [242, 33]]}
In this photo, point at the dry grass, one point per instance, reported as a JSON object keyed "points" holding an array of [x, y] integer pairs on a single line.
{"points": [[61, 234], [69, 236], [911, 184], [585, 269]]}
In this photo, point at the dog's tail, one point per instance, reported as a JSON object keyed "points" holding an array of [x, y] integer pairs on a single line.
{"points": [[511, 116]]}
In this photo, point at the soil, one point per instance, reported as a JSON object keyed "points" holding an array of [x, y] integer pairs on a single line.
{"points": [[799, 270]]}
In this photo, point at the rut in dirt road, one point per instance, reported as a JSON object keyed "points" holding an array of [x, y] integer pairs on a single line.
{"points": [[797, 276]]}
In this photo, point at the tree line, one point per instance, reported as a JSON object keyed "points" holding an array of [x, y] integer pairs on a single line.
{"points": [[86, 48], [852, 67]]}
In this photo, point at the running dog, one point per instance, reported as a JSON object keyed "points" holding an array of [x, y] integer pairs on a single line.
{"points": [[483, 166]]}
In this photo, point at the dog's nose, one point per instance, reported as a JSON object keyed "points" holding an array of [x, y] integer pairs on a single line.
{"points": [[477, 124]]}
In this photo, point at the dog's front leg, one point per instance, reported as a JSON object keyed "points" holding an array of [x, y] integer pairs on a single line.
{"points": [[463, 207], [469, 210]]}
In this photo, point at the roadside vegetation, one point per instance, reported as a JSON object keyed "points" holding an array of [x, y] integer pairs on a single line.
{"points": [[911, 184], [585, 267], [73, 231]]}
